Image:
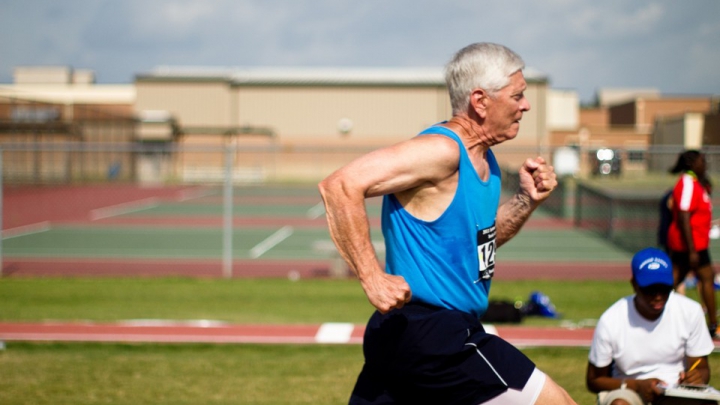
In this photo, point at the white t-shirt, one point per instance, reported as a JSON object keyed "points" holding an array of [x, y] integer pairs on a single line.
{"points": [[650, 349]]}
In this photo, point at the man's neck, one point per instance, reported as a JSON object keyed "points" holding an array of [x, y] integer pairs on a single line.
{"points": [[648, 316], [470, 131]]}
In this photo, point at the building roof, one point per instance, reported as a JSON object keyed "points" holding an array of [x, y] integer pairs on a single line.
{"points": [[613, 96], [310, 76], [71, 93]]}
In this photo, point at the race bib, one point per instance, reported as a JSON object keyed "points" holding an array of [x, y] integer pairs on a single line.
{"points": [[486, 253]]}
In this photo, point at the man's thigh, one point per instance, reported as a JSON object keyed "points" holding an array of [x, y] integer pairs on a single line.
{"points": [[527, 396]]}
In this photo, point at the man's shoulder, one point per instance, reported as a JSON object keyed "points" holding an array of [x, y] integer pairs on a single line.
{"points": [[439, 133], [436, 143], [621, 303], [618, 309], [684, 303]]}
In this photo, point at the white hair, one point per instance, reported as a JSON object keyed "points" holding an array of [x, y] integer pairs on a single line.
{"points": [[481, 65]]}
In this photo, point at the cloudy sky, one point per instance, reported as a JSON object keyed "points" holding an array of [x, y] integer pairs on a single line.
{"points": [[584, 45]]}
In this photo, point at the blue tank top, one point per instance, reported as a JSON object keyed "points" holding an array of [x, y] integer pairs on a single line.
{"points": [[448, 262]]}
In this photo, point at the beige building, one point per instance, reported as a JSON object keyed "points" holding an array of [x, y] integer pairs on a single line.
{"points": [[68, 90], [643, 127], [688, 130], [642, 112], [284, 122], [305, 122], [307, 106], [48, 114], [344, 111]]}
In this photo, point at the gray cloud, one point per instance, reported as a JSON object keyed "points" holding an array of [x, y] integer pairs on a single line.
{"points": [[580, 44]]}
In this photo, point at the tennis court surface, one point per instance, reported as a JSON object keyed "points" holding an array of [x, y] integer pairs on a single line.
{"points": [[278, 230]]}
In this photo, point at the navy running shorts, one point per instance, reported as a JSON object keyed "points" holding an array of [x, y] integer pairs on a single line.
{"points": [[422, 354], [682, 259]]}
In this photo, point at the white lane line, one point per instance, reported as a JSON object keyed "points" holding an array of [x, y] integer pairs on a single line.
{"points": [[334, 332], [316, 212], [124, 208], [194, 323], [271, 241], [24, 230]]}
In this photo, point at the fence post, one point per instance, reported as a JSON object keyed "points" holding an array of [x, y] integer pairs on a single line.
{"points": [[2, 207], [577, 214], [228, 212], [615, 217]]}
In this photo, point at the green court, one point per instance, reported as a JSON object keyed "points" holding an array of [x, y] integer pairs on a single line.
{"points": [[270, 223]]}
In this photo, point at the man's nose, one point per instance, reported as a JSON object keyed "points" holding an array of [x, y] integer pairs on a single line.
{"points": [[524, 104]]}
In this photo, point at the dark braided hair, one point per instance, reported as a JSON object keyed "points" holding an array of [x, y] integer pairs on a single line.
{"points": [[686, 161]]}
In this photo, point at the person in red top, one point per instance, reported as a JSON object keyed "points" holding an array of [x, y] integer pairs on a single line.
{"points": [[689, 233]]}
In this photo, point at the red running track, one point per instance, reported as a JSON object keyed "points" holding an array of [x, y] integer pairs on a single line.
{"points": [[212, 332], [163, 332]]}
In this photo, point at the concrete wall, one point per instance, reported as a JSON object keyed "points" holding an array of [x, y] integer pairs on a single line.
{"points": [[342, 115], [563, 112], [711, 133], [669, 131], [193, 104], [693, 130], [347, 115], [642, 112]]}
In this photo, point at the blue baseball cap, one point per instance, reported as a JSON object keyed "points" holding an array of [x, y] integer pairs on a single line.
{"points": [[652, 266]]}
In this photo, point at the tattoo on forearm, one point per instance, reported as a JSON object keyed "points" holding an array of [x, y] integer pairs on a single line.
{"points": [[516, 213]]}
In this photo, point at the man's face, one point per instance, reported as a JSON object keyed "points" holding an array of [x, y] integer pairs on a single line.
{"points": [[650, 301], [505, 109]]}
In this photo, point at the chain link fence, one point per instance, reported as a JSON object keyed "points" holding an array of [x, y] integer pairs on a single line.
{"points": [[126, 176]]}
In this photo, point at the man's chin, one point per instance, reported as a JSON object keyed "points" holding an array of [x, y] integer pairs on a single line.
{"points": [[657, 312], [507, 136]]}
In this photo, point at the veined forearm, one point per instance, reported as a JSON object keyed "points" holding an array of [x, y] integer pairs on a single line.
{"points": [[511, 217], [350, 232], [352, 241]]}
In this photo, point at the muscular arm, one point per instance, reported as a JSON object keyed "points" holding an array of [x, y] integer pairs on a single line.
{"points": [[683, 223], [537, 180], [350, 231], [600, 379], [684, 194], [402, 168]]}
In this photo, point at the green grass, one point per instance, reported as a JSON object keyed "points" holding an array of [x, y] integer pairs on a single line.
{"points": [[255, 300], [160, 374], [90, 373], [235, 301], [176, 374]]}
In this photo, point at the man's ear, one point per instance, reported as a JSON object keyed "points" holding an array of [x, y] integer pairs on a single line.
{"points": [[479, 101], [634, 285]]}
